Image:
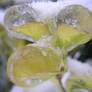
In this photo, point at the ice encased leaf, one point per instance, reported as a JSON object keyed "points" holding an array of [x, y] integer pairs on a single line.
{"points": [[32, 65], [34, 30], [79, 82], [70, 37], [76, 16], [19, 15], [24, 22], [79, 76]]}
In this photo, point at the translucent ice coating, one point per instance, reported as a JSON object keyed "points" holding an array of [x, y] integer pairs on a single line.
{"points": [[76, 16], [19, 15], [34, 30], [30, 65], [70, 37]]}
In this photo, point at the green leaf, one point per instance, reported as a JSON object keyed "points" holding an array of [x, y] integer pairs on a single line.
{"points": [[30, 65], [69, 36], [33, 30], [79, 83]]}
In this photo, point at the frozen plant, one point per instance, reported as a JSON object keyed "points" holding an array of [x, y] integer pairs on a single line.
{"points": [[52, 35]]}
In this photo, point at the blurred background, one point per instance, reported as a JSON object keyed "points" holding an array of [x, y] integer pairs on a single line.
{"points": [[82, 53]]}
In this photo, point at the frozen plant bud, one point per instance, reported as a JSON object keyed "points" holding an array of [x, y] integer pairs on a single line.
{"points": [[32, 65]]}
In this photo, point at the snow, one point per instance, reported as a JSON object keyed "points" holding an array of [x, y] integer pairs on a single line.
{"points": [[89, 61], [52, 8], [18, 1], [47, 86], [2, 13], [47, 9], [76, 68], [65, 77], [85, 3], [77, 55]]}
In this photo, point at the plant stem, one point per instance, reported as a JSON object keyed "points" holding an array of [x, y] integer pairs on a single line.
{"points": [[64, 57], [59, 77]]}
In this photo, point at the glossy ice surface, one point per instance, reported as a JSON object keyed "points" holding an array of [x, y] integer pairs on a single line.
{"points": [[76, 16], [19, 15], [70, 37], [29, 65]]}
